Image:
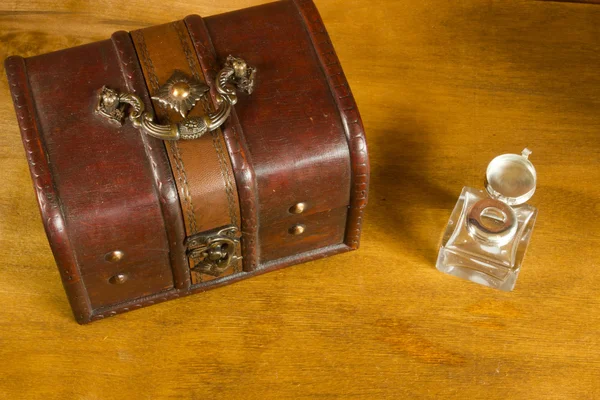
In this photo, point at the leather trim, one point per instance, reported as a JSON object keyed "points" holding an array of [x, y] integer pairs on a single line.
{"points": [[223, 161], [174, 153], [236, 144], [203, 171]]}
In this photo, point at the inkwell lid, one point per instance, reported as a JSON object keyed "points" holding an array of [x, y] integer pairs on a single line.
{"points": [[511, 178]]}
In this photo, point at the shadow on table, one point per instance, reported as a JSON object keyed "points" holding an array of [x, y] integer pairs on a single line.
{"points": [[405, 200]]}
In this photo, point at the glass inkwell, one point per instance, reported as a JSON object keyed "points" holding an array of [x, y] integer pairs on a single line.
{"points": [[488, 232]]}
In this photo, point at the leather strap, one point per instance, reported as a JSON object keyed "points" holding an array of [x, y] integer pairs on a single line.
{"points": [[241, 159], [201, 167]]}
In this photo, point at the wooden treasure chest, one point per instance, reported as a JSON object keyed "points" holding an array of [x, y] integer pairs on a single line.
{"points": [[186, 156]]}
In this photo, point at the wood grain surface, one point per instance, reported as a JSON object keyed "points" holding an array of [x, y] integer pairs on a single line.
{"points": [[442, 87]]}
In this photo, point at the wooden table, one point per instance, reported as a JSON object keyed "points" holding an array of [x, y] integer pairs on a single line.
{"points": [[443, 87]]}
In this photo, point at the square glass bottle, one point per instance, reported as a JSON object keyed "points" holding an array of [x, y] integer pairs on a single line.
{"points": [[487, 234]]}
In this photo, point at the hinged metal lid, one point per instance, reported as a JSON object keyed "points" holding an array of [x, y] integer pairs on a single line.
{"points": [[511, 178]]}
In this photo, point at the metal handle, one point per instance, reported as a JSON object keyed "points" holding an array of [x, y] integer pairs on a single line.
{"points": [[181, 93]]}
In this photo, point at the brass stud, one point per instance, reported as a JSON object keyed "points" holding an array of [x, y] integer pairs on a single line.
{"points": [[297, 229], [118, 279], [114, 256], [298, 208], [180, 90]]}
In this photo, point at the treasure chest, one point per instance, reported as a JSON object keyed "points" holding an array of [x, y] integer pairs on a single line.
{"points": [[186, 156]]}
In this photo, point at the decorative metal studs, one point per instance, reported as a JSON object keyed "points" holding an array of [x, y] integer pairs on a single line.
{"points": [[114, 256], [297, 229], [181, 92], [298, 208], [118, 279]]}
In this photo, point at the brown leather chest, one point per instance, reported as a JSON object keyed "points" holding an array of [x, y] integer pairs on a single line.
{"points": [[186, 156]]}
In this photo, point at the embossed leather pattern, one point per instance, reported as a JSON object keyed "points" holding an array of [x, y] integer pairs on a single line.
{"points": [[236, 144], [202, 167]]}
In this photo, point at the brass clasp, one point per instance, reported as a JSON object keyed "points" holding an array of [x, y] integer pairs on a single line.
{"points": [[215, 251]]}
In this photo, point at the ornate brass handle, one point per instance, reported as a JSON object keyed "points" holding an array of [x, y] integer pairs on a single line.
{"points": [[181, 93]]}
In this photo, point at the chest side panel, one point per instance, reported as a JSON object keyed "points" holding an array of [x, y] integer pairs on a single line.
{"points": [[291, 122], [102, 176]]}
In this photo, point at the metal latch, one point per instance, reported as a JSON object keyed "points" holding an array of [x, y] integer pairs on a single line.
{"points": [[215, 251]]}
